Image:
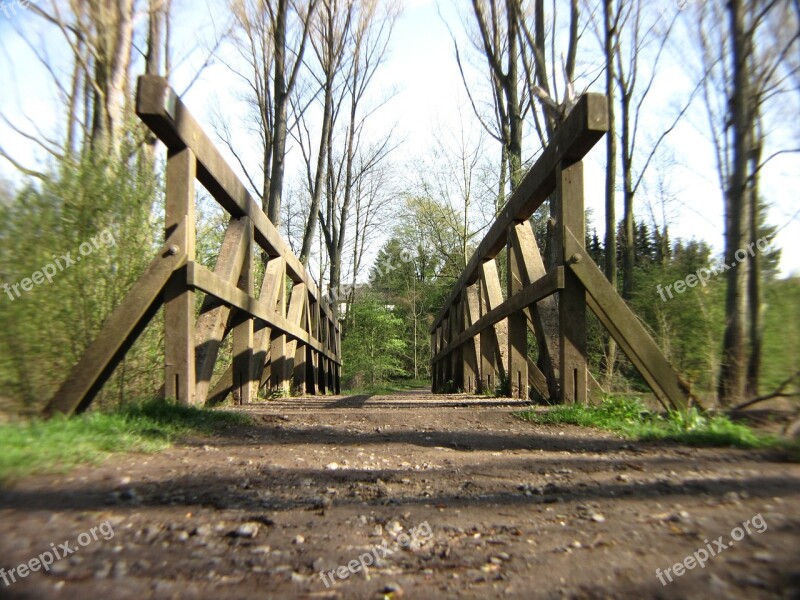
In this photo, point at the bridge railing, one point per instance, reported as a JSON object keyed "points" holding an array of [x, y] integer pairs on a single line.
{"points": [[480, 340], [281, 340]]}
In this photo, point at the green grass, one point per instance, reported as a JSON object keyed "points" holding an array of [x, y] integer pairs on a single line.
{"points": [[56, 445], [388, 387], [629, 417]]}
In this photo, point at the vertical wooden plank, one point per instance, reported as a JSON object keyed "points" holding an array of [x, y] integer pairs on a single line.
{"points": [[337, 389], [243, 388], [179, 317], [277, 350], [310, 383], [544, 314], [572, 299], [471, 348], [517, 322], [213, 323], [295, 315], [494, 341]]}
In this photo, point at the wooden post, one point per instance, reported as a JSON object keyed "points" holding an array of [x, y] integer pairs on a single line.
{"points": [[572, 299], [277, 350], [494, 346], [542, 316], [517, 323], [213, 323], [179, 317], [471, 348], [243, 389]]}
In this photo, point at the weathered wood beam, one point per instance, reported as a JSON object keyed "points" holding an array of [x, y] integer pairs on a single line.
{"points": [[179, 318], [626, 329], [204, 279], [585, 125], [547, 285], [118, 333], [212, 324], [165, 114]]}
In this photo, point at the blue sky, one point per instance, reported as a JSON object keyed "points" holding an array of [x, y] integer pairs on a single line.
{"points": [[421, 69]]}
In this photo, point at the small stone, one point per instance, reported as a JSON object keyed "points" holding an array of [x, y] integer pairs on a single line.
{"points": [[597, 518], [764, 557], [260, 550], [298, 539], [392, 590], [622, 477], [332, 466], [202, 531], [245, 530], [394, 528]]}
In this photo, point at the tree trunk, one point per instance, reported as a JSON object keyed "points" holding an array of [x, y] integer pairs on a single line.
{"points": [[731, 384], [610, 265]]}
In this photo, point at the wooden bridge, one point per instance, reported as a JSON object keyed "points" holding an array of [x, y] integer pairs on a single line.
{"points": [[286, 337]]}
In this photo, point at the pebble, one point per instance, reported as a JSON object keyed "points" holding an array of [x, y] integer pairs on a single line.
{"points": [[298, 539], [597, 518], [246, 530]]}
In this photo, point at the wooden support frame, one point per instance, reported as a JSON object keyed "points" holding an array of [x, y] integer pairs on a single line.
{"points": [[559, 323], [192, 343]]}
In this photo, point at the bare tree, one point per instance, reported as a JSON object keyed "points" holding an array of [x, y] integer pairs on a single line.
{"points": [[271, 37], [372, 28]]}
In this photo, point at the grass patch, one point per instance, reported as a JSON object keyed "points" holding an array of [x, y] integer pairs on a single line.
{"points": [[629, 417], [52, 446], [388, 387]]}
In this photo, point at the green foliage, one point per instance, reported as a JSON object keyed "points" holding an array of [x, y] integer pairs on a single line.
{"points": [[373, 346], [629, 417], [101, 212], [781, 353], [56, 445]]}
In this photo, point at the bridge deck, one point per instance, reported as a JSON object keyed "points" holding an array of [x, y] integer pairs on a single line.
{"points": [[515, 511]]}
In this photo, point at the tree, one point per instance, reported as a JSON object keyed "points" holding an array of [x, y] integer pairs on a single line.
{"points": [[373, 347], [745, 70], [270, 36]]}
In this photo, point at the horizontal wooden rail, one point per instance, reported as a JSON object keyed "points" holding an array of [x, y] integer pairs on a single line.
{"points": [[166, 115], [531, 294], [205, 280]]}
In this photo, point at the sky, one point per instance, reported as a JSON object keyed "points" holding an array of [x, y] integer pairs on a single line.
{"points": [[429, 97]]}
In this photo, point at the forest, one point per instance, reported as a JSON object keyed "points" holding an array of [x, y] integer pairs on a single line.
{"points": [[302, 107]]}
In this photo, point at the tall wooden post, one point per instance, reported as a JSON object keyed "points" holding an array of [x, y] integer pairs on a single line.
{"points": [[243, 389], [517, 322], [470, 350], [572, 299], [179, 318], [277, 350]]}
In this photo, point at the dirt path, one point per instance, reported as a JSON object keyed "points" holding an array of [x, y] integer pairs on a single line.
{"points": [[498, 508]]}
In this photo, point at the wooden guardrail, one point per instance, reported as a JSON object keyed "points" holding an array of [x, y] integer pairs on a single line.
{"points": [[480, 339], [281, 339]]}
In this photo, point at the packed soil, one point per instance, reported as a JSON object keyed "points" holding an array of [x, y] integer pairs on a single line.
{"points": [[437, 496]]}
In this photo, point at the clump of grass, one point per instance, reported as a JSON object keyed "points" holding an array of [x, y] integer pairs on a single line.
{"points": [[387, 388], [629, 417], [56, 445]]}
